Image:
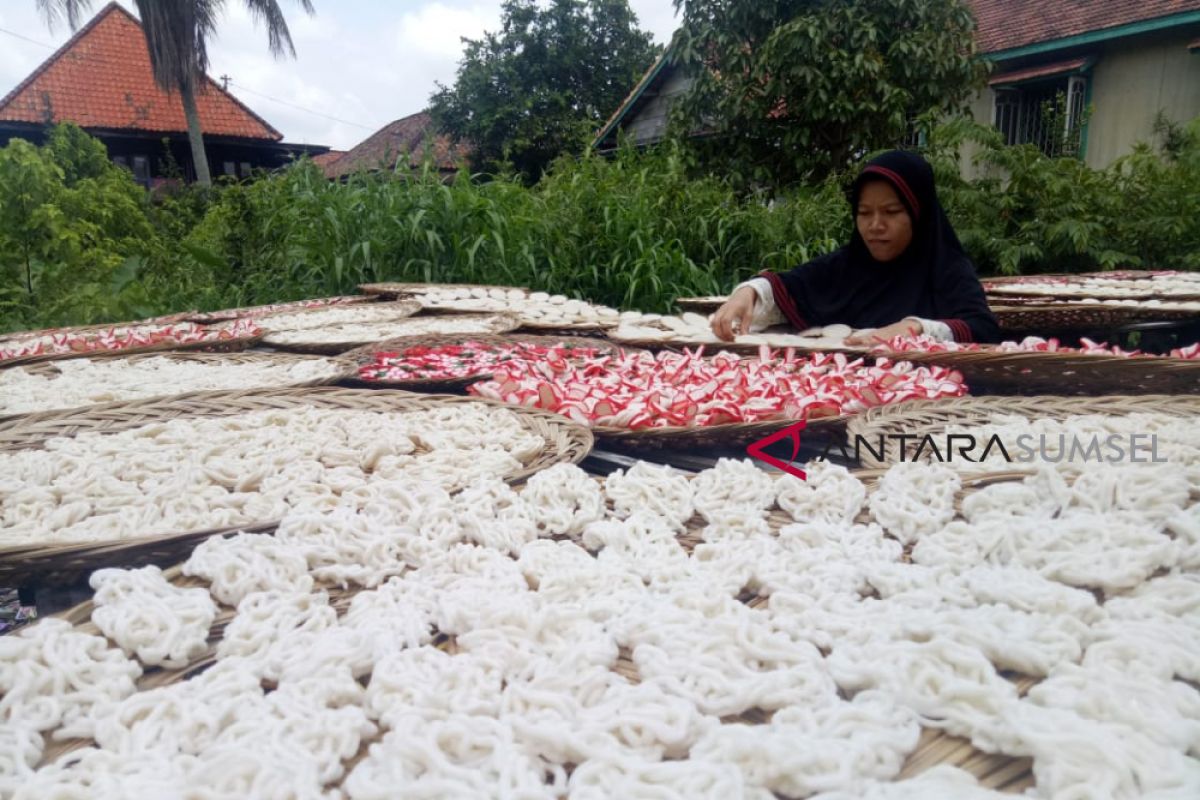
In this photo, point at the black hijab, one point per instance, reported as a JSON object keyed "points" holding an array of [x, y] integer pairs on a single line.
{"points": [[932, 279]]}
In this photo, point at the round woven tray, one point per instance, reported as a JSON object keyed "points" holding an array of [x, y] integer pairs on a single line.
{"points": [[530, 324], [219, 346], [918, 418], [1080, 316], [740, 434], [564, 442], [993, 372], [366, 355], [1059, 278], [406, 289], [1045, 277], [166, 319], [1182, 309], [49, 369], [701, 305], [392, 310], [229, 314], [935, 747], [497, 323], [733, 347], [1064, 293]]}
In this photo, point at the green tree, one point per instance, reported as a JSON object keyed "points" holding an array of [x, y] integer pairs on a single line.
{"points": [[30, 220], [789, 89], [541, 85], [177, 33], [73, 232]]}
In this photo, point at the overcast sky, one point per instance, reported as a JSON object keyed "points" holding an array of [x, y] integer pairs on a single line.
{"points": [[362, 62]]}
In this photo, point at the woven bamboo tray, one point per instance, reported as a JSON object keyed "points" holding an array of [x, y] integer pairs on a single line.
{"points": [[216, 346], [593, 329], [745, 349], [918, 418], [741, 434], [48, 369], [166, 319], [526, 324], [366, 355], [497, 323], [407, 289], [1081, 316], [1058, 278], [701, 305], [395, 309], [1169, 308], [992, 372], [564, 442], [1004, 280], [1082, 291], [997, 772], [230, 314]]}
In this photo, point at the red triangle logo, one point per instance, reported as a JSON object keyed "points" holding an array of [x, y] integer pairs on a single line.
{"points": [[792, 433]]}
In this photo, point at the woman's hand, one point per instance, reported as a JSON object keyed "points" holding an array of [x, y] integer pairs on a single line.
{"points": [[734, 316], [905, 327]]}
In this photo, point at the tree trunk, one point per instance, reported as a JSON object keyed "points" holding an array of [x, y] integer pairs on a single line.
{"points": [[195, 137]]}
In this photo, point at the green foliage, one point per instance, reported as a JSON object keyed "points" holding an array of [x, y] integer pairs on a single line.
{"points": [[634, 231], [80, 242], [1159, 215], [70, 221], [543, 84], [790, 89], [1027, 212]]}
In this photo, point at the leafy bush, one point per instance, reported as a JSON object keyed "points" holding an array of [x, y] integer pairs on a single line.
{"points": [[80, 242], [636, 230], [74, 233], [787, 89], [1028, 213]]}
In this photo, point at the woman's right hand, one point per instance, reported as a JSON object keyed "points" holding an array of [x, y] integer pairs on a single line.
{"points": [[734, 316]]}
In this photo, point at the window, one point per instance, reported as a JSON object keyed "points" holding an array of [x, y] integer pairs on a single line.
{"points": [[1049, 114], [246, 169], [230, 168], [121, 161], [914, 137], [141, 170]]}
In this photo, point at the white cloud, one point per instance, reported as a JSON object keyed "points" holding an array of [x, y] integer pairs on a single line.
{"points": [[434, 32], [360, 61]]}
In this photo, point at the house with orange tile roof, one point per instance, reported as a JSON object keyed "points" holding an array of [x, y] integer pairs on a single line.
{"points": [[1125, 60], [101, 80], [412, 136]]}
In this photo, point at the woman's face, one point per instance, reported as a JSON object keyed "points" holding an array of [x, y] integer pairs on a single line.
{"points": [[883, 221]]}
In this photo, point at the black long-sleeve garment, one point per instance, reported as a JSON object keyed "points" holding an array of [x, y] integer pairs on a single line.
{"points": [[933, 279]]}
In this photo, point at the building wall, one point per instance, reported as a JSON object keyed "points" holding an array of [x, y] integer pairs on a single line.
{"points": [[1131, 82], [981, 109], [649, 124]]}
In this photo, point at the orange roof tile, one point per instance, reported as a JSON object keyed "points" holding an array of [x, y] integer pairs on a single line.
{"points": [[409, 135], [325, 160], [1040, 71], [101, 78], [1007, 24]]}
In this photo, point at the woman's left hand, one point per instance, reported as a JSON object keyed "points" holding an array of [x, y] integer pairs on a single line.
{"points": [[905, 327]]}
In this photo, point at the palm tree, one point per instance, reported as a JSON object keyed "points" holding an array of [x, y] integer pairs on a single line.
{"points": [[177, 33]]}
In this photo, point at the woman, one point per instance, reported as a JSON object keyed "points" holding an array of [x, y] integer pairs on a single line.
{"points": [[903, 273]]}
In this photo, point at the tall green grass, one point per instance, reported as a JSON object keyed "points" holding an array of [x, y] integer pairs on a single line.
{"points": [[634, 231]]}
